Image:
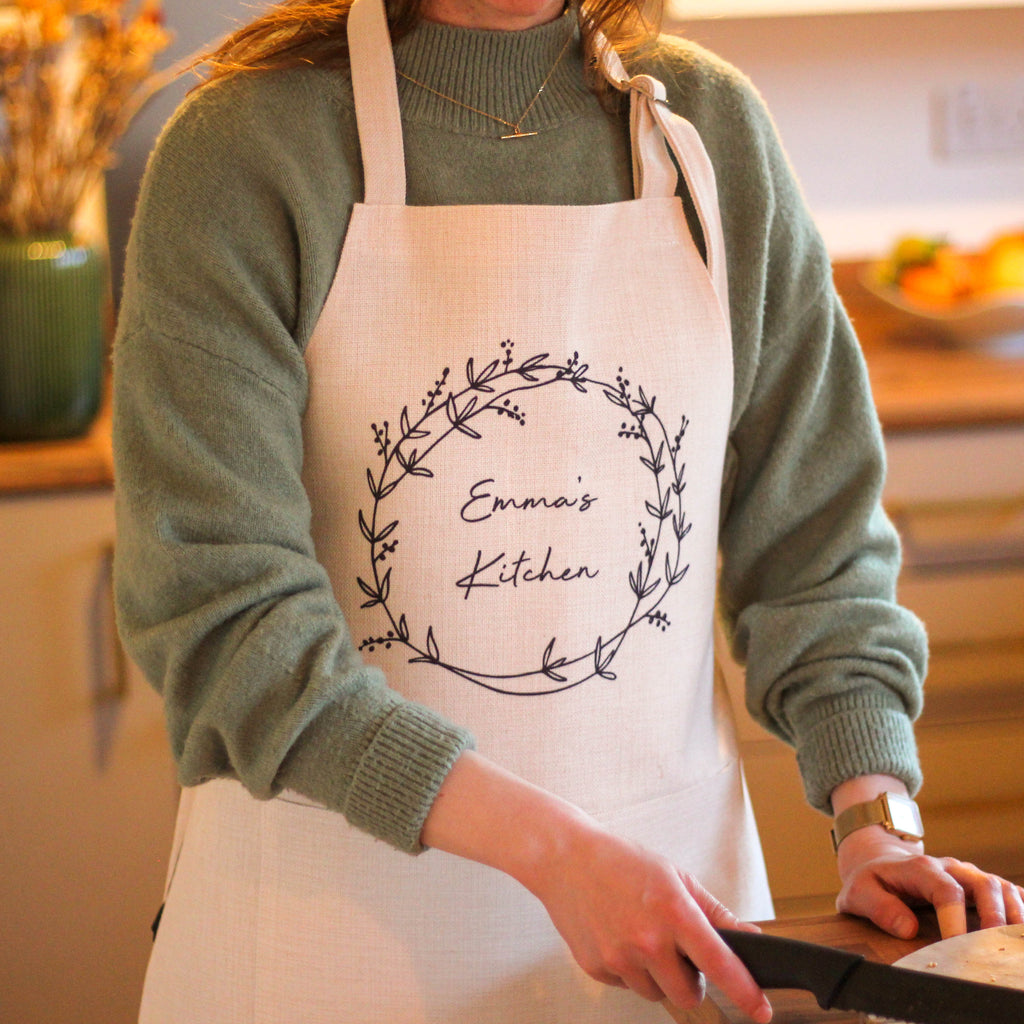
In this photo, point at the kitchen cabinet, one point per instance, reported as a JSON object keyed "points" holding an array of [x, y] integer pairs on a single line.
{"points": [[957, 497], [954, 429], [87, 787]]}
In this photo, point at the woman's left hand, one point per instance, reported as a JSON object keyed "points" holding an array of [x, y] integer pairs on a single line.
{"points": [[884, 876]]}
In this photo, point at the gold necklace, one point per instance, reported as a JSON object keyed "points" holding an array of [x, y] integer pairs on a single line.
{"points": [[517, 133]]}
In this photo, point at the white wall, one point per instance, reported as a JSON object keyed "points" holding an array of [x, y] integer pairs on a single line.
{"points": [[852, 97]]}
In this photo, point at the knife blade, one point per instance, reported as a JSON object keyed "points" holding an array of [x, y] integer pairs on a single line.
{"points": [[847, 981]]}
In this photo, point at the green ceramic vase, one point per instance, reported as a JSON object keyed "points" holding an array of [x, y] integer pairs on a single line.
{"points": [[51, 337]]}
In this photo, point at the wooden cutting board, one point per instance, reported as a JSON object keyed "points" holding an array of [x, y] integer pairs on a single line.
{"points": [[709, 1013], [992, 956]]}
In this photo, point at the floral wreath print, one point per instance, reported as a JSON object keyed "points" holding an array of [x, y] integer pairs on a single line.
{"points": [[447, 410]]}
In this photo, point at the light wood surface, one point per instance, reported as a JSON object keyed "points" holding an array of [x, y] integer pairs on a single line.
{"points": [[709, 1012], [59, 465], [992, 956]]}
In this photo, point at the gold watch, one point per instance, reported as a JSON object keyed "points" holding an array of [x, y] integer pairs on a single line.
{"points": [[896, 813]]}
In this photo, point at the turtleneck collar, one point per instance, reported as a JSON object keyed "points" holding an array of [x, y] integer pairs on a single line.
{"points": [[499, 72]]}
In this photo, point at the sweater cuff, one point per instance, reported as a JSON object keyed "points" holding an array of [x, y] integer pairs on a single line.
{"points": [[390, 788], [401, 772], [857, 735]]}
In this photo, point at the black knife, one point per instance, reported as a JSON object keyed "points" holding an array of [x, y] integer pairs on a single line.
{"points": [[847, 981]]}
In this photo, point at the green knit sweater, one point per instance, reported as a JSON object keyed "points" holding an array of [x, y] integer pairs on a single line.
{"points": [[240, 223]]}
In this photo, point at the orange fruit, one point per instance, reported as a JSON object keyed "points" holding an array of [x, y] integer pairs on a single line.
{"points": [[1001, 265], [947, 279]]}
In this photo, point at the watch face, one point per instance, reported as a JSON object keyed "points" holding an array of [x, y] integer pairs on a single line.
{"points": [[905, 815]]}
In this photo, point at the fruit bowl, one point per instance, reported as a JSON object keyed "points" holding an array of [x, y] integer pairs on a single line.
{"points": [[992, 320], [971, 299]]}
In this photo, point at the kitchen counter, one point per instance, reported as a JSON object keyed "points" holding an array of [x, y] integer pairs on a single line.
{"points": [[919, 381], [837, 930], [81, 462]]}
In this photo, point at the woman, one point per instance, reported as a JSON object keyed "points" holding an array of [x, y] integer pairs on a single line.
{"points": [[426, 377]]}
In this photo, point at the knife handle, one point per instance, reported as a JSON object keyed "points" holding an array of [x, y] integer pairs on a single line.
{"points": [[776, 962]]}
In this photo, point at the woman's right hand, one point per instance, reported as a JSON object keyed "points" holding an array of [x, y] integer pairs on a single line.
{"points": [[634, 920], [630, 917]]}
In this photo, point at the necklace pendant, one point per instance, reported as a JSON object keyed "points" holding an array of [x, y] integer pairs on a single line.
{"points": [[514, 125]]}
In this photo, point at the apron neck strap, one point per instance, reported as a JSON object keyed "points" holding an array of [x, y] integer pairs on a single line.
{"points": [[378, 116], [656, 135]]}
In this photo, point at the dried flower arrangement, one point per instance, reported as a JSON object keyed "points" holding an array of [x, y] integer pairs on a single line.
{"points": [[73, 73]]}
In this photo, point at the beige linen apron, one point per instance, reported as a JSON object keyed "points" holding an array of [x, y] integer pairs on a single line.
{"points": [[514, 445]]}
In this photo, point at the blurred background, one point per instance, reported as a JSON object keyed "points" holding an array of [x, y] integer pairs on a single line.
{"points": [[901, 117]]}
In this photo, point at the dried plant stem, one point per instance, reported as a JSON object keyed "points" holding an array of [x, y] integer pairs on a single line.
{"points": [[73, 73]]}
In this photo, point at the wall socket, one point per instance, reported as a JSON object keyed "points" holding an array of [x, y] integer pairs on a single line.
{"points": [[973, 119]]}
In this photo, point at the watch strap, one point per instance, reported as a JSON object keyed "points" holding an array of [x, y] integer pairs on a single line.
{"points": [[871, 812]]}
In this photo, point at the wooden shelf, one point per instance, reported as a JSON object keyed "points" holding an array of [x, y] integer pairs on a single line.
{"points": [[80, 462]]}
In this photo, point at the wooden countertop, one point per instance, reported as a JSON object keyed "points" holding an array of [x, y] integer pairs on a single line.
{"points": [[918, 383], [80, 462], [919, 380], [837, 930]]}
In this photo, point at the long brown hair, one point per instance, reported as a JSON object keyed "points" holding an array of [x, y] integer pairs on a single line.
{"points": [[294, 32]]}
